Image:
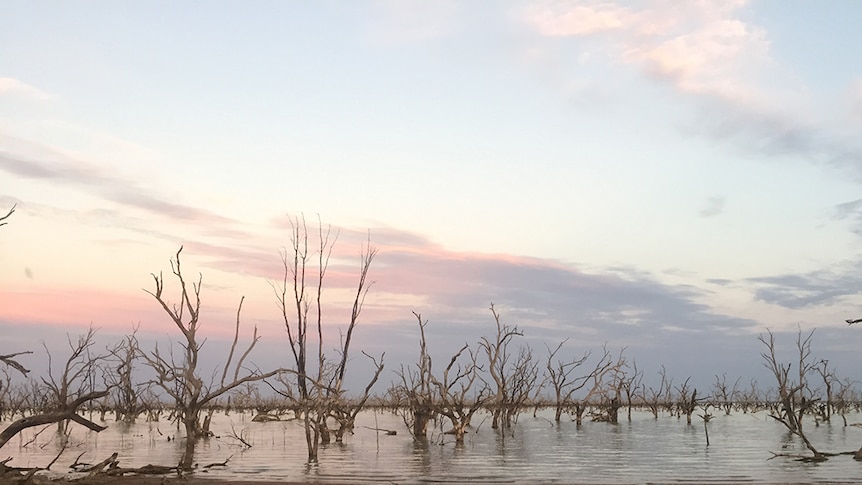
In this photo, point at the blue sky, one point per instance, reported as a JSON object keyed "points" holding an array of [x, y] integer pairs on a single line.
{"points": [[672, 177]]}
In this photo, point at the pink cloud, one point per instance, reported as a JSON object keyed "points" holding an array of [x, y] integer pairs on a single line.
{"points": [[698, 47], [562, 20]]}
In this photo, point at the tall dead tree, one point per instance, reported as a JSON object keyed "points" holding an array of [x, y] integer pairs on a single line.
{"points": [[299, 296], [497, 352], [417, 388], [180, 378], [794, 399]]}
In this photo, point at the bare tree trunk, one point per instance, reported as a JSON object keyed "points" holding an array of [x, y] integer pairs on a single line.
{"points": [[321, 397], [181, 380], [791, 393]]}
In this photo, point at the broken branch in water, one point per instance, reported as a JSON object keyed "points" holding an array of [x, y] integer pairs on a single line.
{"points": [[224, 463], [389, 432]]}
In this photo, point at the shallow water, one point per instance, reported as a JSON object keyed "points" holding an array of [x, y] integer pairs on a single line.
{"points": [[645, 450]]}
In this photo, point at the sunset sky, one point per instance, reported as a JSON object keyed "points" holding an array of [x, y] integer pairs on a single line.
{"points": [[674, 177]]}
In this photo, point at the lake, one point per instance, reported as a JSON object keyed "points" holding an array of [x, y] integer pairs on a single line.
{"points": [[644, 450]]}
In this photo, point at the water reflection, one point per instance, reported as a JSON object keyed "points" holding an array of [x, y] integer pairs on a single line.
{"points": [[645, 450]]}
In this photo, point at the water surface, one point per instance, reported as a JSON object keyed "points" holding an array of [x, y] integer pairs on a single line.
{"points": [[644, 450]]}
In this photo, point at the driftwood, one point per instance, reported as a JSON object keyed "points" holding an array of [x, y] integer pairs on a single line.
{"points": [[110, 467], [265, 418], [213, 465], [109, 462], [18, 474], [4, 469]]}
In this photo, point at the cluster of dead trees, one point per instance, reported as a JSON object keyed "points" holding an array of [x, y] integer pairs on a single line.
{"points": [[498, 375], [109, 380], [798, 396]]}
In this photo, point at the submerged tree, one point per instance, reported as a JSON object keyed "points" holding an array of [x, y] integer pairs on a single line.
{"points": [[724, 397], [180, 378], [559, 374], [417, 389], [794, 399], [513, 379], [63, 394], [320, 385], [126, 392]]}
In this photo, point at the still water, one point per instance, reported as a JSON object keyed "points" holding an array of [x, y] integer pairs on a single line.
{"points": [[644, 450]]}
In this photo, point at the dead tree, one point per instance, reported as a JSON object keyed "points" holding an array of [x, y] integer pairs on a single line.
{"points": [[629, 385], [497, 353], [794, 398], [656, 397], [611, 399], [595, 383], [750, 399], [77, 376], [345, 411], [180, 378], [339, 408], [558, 373], [319, 390], [417, 389], [63, 394], [127, 403], [829, 378], [458, 400], [724, 397], [686, 400]]}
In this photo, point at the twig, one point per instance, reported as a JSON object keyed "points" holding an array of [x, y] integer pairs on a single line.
{"points": [[224, 463], [238, 437], [35, 436]]}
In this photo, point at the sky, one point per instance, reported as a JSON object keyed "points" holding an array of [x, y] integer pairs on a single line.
{"points": [[670, 177]]}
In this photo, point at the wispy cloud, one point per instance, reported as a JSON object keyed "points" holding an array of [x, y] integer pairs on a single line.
{"points": [[413, 273], [110, 187], [816, 288], [13, 87], [850, 211]]}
